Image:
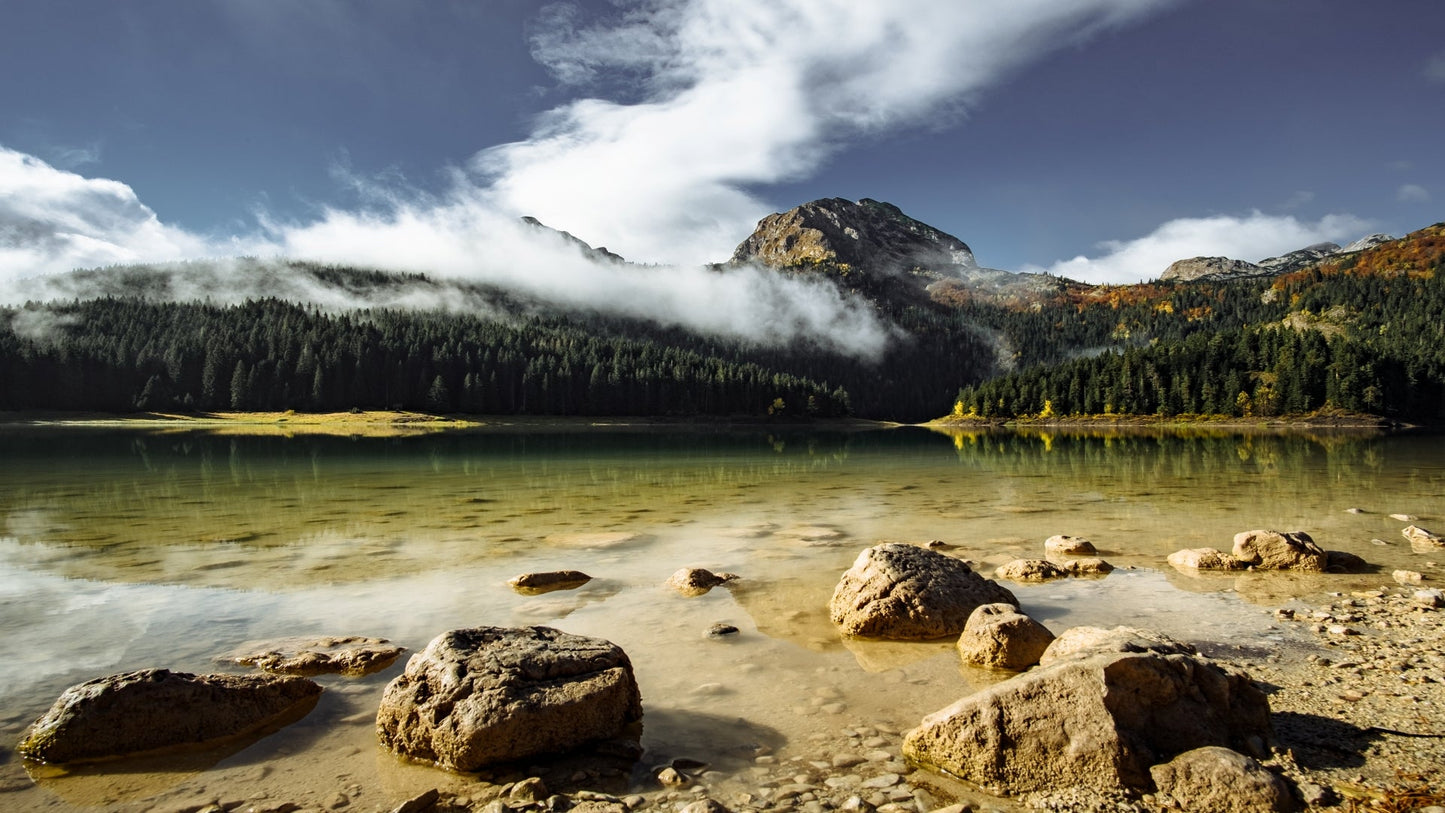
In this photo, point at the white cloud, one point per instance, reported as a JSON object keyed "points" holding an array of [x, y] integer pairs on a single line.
{"points": [[52, 221], [746, 92], [1253, 237], [1412, 193], [720, 96], [1435, 67]]}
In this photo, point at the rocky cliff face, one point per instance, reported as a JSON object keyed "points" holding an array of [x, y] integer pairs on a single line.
{"points": [[868, 235], [1209, 268], [871, 247]]}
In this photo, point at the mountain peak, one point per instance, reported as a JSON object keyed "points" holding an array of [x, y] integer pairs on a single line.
{"points": [[866, 234]]}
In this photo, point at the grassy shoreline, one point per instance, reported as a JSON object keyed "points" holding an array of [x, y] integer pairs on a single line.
{"points": [[387, 422]]}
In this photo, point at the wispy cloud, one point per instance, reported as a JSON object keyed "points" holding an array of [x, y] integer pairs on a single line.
{"points": [[1412, 193], [1251, 237]]}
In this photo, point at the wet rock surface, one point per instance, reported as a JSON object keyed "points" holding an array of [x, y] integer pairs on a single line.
{"points": [[545, 582], [905, 592], [156, 709], [696, 581], [1030, 570], [345, 655], [485, 695]]}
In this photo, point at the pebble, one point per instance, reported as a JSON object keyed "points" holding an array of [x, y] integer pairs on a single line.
{"points": [[883, 780], [721, 630]]}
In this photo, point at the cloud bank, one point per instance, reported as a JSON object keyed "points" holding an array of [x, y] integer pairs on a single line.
{"points": [[1253, 237], [52, 221], [708, 100]]}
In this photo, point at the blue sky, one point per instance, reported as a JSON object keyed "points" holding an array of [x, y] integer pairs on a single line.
{"points": [[1098, 138]]}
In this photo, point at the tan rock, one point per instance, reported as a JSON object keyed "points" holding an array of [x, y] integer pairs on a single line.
{"points": [[1204, 559], [156, 709], [1030, 570], [484, 695], [1421, 540], [1098, 720], [1408, 576], [909, 593], [1275, 550], [1083, 641], [999, 636], [1065, 545], [695, 581], [1087, 566], [346, 655], [1219, 780], [532, 584]]}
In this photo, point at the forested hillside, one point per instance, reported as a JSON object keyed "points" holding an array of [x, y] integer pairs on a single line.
{"points": [[126, 354], [1360, 333]]}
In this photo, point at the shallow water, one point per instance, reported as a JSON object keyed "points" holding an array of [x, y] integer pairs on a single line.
{"points": [[127, 550]]}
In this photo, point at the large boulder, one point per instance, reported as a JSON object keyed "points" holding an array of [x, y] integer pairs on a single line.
{"points": [[485, 695], [1274, 550], [1219, 780], [1095, 718], [999, 636], [908, 593], [156, 709]]}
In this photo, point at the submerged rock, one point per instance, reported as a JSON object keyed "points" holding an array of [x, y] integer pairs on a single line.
{"points": [[1222, 781], [1096, 718], [479, 696], [345, 655], [999, 636], [695, 581], [156, 709], [1275, 550], [1205, 559], [908, 593], [1030, 570], [532, 584]]}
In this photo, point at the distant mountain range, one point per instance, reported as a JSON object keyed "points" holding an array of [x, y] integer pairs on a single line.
{"points": [[1324, 327]]}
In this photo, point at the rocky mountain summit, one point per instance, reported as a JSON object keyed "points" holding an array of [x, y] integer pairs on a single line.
{"points": [[1223, 269], [869, 245], [868, 234]]}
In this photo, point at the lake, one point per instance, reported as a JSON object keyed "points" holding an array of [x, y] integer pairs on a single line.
{"points": [[123, 550]]}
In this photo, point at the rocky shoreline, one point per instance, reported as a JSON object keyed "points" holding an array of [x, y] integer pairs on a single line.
{"points": [[1355, 717]]}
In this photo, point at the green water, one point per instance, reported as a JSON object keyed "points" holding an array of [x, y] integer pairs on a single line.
{"points": [[127, 550]]}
